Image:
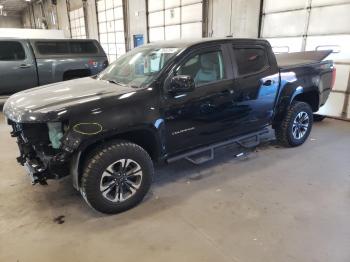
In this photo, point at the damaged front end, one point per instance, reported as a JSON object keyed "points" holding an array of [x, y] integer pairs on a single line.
{"points": [[42, 152]]}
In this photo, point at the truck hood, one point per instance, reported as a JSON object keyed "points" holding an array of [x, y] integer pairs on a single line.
{"points": [[47, 103]]}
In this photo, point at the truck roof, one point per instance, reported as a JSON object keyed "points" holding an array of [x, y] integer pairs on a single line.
{"points": [[183, 43], [45, 39]]}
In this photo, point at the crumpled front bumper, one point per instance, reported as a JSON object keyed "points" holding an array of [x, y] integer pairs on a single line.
{"points": [[38, 164], [35, 172]]}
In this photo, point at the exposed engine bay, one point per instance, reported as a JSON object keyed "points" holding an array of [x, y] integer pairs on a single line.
{"points": [[41, 150]]}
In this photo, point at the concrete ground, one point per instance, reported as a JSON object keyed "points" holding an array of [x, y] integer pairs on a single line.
{"points": [[276, 205]]}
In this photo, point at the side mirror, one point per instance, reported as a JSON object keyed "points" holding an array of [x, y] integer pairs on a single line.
{"points": [[181, 84]]}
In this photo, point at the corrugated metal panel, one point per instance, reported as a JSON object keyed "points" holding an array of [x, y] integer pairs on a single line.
{"points": [[334, 105], [77, 23], [278, 5], [174, 19], [288, 44], [340, 44], [328, 2], [111, 27], [284, 24], [329, 20], [314, 25]]}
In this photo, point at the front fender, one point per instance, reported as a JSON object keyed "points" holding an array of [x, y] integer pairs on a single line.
{"points": [[82, 144]]}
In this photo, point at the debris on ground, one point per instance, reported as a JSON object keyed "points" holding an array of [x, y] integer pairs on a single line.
{"points": [[59, 220]]}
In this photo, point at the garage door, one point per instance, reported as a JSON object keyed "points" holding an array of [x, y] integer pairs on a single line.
{"points": [[77, 23], [174, 19], [299, 25], [111, 27]]}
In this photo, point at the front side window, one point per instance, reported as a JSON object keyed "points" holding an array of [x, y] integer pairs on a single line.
{"points": [[138, 67], [204, 68], [11, 51], [250, 60]]}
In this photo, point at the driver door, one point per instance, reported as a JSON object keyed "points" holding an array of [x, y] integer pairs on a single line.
{"points": [[204, 115], [17, 67]]}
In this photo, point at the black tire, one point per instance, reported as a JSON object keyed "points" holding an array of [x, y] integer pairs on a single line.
{"points": [[108, 157], [284, 131], [318, 118]]}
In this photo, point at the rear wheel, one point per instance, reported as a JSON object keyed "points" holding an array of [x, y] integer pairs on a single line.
{"points": [[296, 125], [117, 177]]}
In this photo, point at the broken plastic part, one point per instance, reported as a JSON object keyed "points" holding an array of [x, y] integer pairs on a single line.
{"points": [[55, 134]]}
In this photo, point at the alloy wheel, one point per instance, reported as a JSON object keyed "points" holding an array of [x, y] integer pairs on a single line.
{"points": [[300, 125], [121, 180]]}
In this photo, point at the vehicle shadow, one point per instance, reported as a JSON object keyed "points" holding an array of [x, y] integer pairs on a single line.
{"points": [[60, 198], [63, 198]]}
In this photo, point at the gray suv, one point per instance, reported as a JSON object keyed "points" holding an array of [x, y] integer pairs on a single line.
{"points": [[29, 63]]}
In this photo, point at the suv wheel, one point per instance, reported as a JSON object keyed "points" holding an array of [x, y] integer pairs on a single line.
{"points": [[117, 177], [296, 125]]}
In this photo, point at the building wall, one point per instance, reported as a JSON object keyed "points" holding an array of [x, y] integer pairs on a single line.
{"points": [[50, 14], [75, 4], [28, 18], [62, 17], [92, 25], [56, 16], [239, 18], [136, 11], [40, 15], [11, 22]]}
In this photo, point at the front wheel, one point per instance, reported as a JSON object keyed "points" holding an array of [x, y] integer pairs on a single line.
{"points": [[296, 125], [117, 177]]}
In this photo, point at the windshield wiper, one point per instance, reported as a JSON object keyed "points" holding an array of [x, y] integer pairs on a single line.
{"points": [[115, 82]]}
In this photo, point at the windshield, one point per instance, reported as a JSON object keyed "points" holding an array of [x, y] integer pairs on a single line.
{"points": [[138, 67]]}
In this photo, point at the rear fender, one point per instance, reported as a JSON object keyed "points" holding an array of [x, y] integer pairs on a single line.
{"points": [[286, 97]]}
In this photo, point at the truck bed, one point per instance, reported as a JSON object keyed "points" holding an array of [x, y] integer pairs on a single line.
{"points": [[287, 60]]}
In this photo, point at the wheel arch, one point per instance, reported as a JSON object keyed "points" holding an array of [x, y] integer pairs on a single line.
{"points": [[310, 97], [75, 73], [290, 93], [146, 138]]}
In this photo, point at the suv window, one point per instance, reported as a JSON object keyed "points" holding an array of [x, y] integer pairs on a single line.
{"points": [[66, 47], [83, 47], [11, 51], [204, 68], [50, 48], [250, 60]]}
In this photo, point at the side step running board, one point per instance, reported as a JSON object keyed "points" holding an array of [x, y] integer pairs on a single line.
{"points": [[204, 154]]}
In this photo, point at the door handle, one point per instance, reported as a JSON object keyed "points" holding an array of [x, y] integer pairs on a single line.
{"points": [[268, 82], [227, 91], [25, 66]]}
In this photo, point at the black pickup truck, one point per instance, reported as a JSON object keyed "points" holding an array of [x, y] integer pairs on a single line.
{"points": [[162, 102]]}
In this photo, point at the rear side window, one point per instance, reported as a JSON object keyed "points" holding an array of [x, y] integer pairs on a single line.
{"points": [[83, 48], [250, 60], [66, 47], [52, 48], [11, 51]]}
